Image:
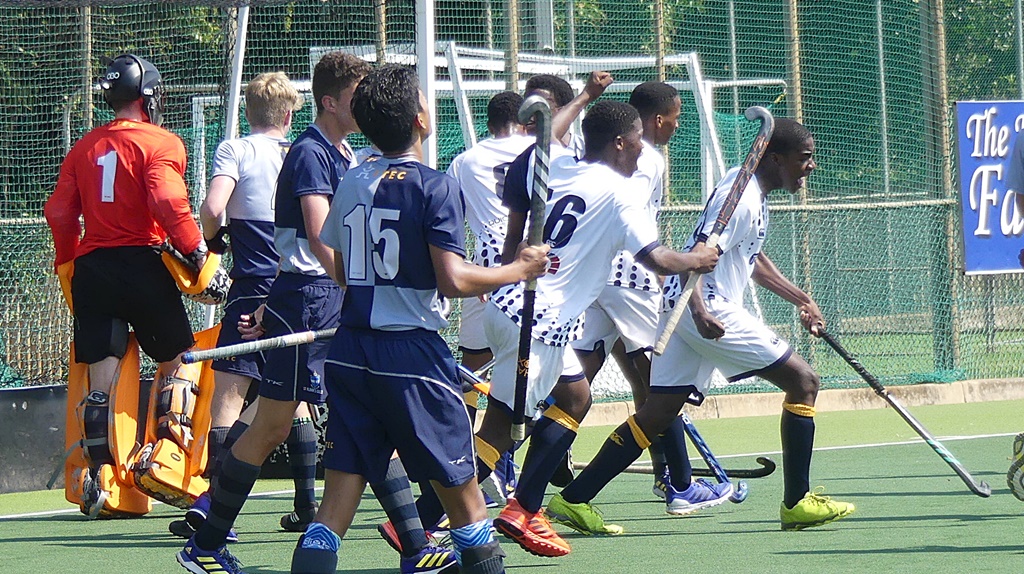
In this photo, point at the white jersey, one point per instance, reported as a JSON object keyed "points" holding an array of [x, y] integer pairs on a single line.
{"points": [[253, 162], [740, 243], [650, 169], [588, 221], [480, 172]]}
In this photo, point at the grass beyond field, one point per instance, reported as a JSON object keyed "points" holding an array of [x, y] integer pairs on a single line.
{"points": [[913, 514]]}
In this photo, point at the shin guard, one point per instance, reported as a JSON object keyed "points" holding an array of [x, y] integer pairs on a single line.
{"points": [[96, 465], [170, 466]]}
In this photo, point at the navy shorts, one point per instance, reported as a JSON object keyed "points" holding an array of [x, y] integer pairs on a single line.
{"points": [[397, 390], [244, 297], [298, 303], [115, 287]]}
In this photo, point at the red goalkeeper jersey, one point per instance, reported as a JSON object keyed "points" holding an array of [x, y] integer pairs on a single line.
{"points": [[126, 179]]}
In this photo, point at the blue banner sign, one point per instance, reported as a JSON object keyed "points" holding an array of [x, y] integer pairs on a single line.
{"points": [[991, 167]]}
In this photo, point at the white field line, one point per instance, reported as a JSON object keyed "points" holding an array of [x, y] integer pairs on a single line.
{"points": [[155, 503], [854, 446]]}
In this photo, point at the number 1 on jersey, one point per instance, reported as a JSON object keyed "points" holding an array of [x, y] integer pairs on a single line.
{"points": [[108, 162]]}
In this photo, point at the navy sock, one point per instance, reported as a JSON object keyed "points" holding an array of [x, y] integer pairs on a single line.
{"points": [[549, 442], [797, 446], [234, 432], [214, 444], [395, 495], [657, 451], [674, 441], [231, 486], [302, 449], [620, 449]]}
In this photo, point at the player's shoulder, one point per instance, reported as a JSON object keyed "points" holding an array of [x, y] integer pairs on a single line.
{"points": [[309, 146], [234, 146], [514, 144], [650, 159], [310, 138], [430, 177], [152, 138]]}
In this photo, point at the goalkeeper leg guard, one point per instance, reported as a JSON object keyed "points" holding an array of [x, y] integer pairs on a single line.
{"points": [[94, 474], [163, 470]]}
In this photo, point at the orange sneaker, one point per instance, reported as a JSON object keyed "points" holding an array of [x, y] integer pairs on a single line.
{"points": [[531, 531], [388, 533]]}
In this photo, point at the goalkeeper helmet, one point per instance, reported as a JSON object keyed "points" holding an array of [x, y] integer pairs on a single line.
{"points": [[128, 78]]}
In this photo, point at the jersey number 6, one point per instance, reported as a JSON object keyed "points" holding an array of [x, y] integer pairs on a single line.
{"points": [[561, 224]]}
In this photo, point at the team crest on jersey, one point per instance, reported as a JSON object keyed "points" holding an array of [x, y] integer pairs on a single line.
{"points": [[314, 384], [553, 263]]}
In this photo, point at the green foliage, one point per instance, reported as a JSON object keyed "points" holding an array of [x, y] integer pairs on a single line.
{"points": [[981, 45]]}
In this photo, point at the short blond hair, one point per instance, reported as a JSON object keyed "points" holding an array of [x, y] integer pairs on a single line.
{"points": [[268, 99]]}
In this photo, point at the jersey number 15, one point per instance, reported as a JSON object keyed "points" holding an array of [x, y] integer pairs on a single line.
{"points": [[384, 239]]}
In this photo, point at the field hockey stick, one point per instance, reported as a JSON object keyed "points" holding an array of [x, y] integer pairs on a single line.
{"points": [[767, 467], [289, 340], [739, 493], [537, 108], [747, 170], [981, 488]]}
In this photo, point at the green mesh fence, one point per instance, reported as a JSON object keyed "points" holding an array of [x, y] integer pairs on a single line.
{"points": [[874, 237]]}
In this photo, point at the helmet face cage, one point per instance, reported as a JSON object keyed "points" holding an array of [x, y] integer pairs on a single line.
{"points": [[129, 78]]}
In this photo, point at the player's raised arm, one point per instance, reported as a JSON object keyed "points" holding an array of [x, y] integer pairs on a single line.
{"points": [[596, 85], [665, 261], [456, 278]]}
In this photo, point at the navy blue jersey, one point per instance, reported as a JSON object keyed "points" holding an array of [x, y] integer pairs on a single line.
{"points": [[313, 166], [516, 194], [387, 213]]}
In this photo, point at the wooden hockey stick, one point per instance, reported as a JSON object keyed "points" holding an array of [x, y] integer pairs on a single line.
{"points": [[747, 170]]}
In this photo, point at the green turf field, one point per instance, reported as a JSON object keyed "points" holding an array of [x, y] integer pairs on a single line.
{"points": [[913, 514]]}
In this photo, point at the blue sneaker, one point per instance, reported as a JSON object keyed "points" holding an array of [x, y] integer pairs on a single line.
{"points": [[195, 516], [430, 560], [199, 561], [660, 484], [700, 494]]}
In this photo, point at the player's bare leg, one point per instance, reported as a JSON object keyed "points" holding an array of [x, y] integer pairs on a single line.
{"points": [[800, 383]]}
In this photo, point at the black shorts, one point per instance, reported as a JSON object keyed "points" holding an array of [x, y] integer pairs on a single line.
{"points": [[120, 286]]}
